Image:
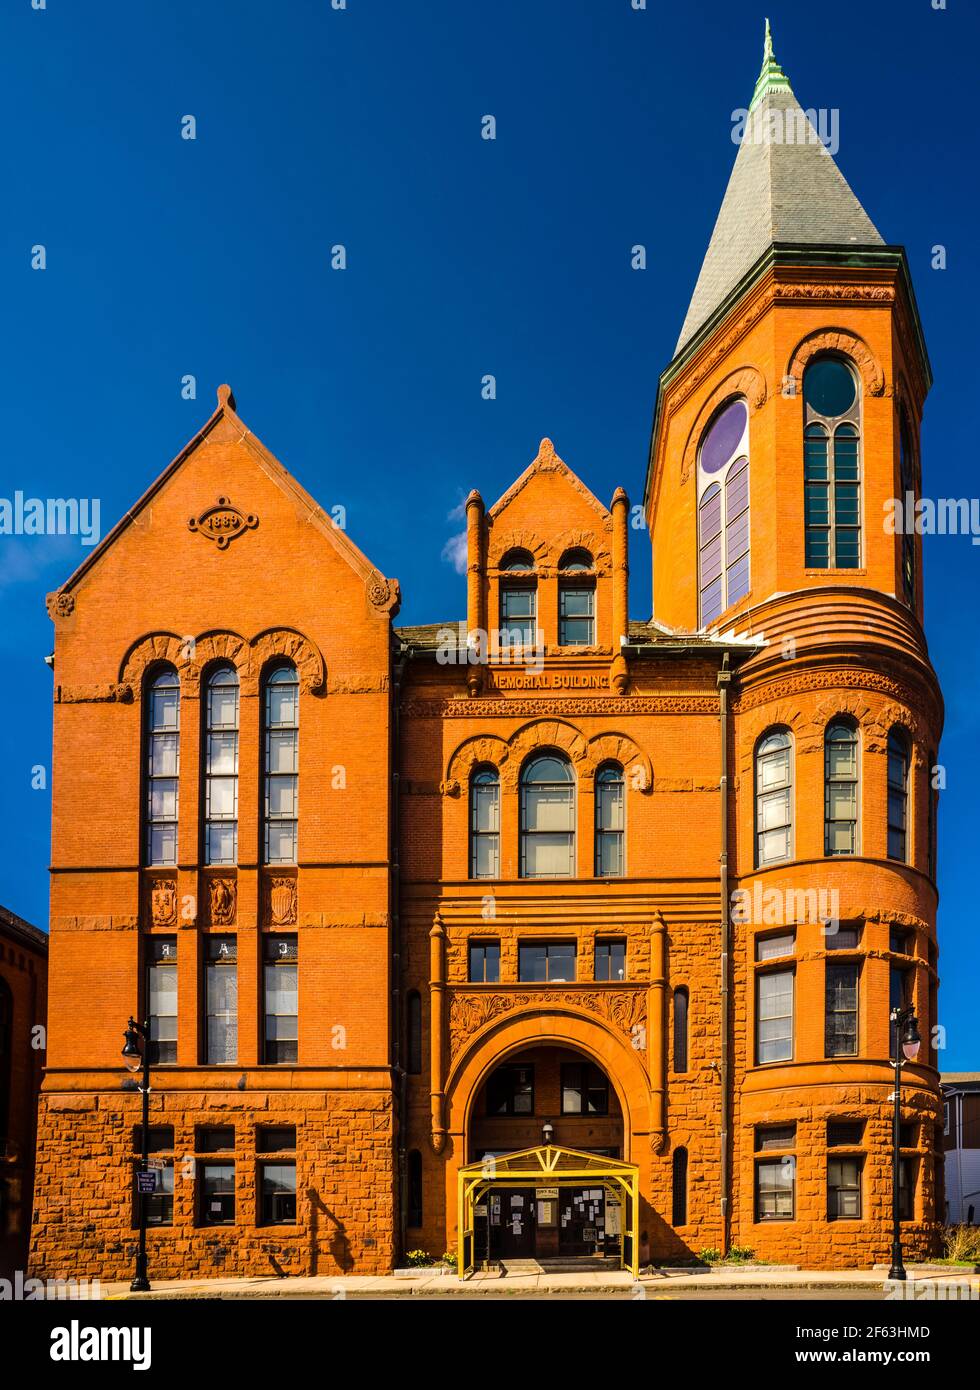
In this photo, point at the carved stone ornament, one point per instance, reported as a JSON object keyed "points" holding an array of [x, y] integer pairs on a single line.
{"points": [[222, 901], [60, 605], [624, 1009], [282, 901], [163, 902], [222, 523], [385, 594]]}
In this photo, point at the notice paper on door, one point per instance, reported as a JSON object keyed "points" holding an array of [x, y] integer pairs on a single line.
{"points": [[517, 1200]]}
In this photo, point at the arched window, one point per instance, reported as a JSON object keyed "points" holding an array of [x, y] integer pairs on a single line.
{"points": [[773, 798], [679, 1188], [576, 599], [723, 512], [610, 822], [485, 823], [413, 1029], [841, 784], [281, 764], [898, 794], [547, 818], [831, 465], [518, 600], [680, 1028], [162, 767], [414, 1189], [221, 767], [517, 561], [906, 478]]}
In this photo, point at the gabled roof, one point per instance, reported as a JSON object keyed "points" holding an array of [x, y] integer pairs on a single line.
{"points": [[546, 461], [15, 927], [225, 414], [781, 190]]}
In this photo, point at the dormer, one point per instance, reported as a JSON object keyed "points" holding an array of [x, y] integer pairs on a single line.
{"points": [[547, 570]]}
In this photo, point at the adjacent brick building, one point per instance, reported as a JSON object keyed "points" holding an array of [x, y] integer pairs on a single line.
{"points": [[23, 1012], [554, 879]]}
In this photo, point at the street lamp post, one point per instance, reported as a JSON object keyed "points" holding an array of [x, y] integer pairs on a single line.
{"points": [[137, 1045], [905, 1032]]}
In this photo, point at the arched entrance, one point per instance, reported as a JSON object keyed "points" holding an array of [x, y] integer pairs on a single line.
{"points": [[543, 1097], [563, 1081]]}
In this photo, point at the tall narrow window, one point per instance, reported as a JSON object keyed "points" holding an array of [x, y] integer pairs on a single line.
{"points": [[841, 788], [906, 478], [160, 1144], [844, 1188], [161, 997], [610, 822], [932, 803], [610, 960], [680, 1029], [679, 1188], [774, 1016], [723, 512], [485, 823], [518, 600], [841, 1010], [773, 798], [576, 600], [281, 764], [221, 1026], [831, 465], [280, 968], [221, 768], [414, 1031], [414, 1188], [162, 767], [898, 795], [547, 819], [484, 962]]}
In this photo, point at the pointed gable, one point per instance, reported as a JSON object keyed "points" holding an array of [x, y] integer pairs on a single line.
{"points": [[209, 485], [784, 187], [548, 489]]}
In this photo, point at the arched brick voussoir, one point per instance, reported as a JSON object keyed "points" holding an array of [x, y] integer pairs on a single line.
{"points": [[188, 655], [286, 642], [543, 734], [620, 748], [758, 721], [744, 381], [503, 541], [838, 340], [560, 1025], [483, 748]]}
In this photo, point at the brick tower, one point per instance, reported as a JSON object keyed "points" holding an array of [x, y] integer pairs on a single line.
{"points": [[787, 419]]}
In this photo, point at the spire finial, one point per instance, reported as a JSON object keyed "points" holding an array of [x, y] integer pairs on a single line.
{"points": [[771, 78]]}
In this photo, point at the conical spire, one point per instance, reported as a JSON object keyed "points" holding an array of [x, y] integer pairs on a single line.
{"points": [[784, 187]]}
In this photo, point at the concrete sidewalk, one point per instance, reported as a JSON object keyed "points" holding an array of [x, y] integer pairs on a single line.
{"points": [[490, 1284]]}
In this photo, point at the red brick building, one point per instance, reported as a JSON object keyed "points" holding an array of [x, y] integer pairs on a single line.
{"points": [[632, 898], [23, 1012]]}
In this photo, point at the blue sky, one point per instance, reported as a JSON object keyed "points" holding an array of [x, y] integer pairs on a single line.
{"points": [[212, 257]]}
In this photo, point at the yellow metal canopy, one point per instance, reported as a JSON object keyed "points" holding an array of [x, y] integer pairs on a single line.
{"points": [[546, 1166]]}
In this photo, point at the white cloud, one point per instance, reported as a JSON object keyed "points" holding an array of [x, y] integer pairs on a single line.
{"points": [[454, 552]]}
